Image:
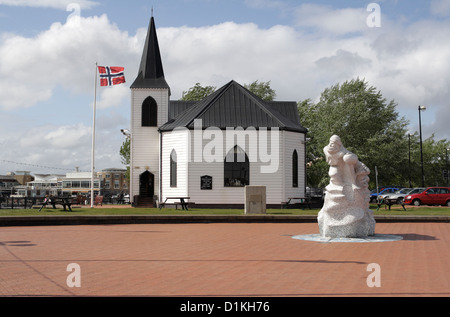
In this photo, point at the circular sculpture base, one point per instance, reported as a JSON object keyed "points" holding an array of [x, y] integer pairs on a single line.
{"points": [[374, 238]]}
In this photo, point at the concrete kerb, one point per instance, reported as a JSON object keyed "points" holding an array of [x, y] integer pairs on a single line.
{"points": [[7, 221]]}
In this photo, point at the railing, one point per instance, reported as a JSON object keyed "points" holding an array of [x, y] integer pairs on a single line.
{"points": [[19, 202], [29, 202]]}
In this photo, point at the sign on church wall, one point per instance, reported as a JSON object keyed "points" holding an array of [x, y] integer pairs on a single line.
{"points": [[205, 182]]}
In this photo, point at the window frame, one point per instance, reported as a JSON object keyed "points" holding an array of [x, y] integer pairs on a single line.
{"points": [[295, 169], [149, 116], [173, 169], [233, 168]]}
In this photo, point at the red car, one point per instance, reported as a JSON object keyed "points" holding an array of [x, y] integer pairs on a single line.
{"points": [[430, 196]]}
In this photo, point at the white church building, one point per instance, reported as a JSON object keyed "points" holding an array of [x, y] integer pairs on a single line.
{"points": [[211, 149]]}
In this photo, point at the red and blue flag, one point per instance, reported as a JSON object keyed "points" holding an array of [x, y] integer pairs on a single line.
{"points": [[110, 76]]}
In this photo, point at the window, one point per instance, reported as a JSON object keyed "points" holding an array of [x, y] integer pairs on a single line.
{"points": [[236, 168], [433, 191], [76, 184], [149, 113], [295, 169], [173, 169]]}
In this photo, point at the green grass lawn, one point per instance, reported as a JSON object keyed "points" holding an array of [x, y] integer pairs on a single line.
{"points": [[410, 210]]}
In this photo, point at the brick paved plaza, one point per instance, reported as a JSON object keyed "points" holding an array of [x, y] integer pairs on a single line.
{"points": [[226, 259]]}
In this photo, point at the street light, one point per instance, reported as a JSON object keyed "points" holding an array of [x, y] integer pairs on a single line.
{"points": [[126, 133], [446, 158], [421, 108], [409, 159]]}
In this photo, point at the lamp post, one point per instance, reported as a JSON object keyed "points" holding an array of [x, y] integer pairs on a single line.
{"points": [[446, 159], [409, 159], [421, 108]]}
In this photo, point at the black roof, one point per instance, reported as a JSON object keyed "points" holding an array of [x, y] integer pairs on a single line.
{"points": [[151, 73], [234, 106]]}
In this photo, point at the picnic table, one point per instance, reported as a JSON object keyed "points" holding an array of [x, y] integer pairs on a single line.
{"points": [[183, 203], [303, 201], [388, 204], [64, 201]]}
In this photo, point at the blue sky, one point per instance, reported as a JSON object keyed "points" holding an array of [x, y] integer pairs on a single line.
{"points": [[48, 55]]}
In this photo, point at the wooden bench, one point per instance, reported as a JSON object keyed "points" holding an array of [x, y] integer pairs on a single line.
{"points": [[63, 201], [183, 203], [98, 201], [388, 204], [303, 201]]}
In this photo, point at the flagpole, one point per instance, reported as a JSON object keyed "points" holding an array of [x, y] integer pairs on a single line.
{"points": [[93, 138]]}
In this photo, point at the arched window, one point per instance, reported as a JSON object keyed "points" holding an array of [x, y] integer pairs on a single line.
{"points": [[149, 113], [236, 168], [173, 169], [295, 169]]}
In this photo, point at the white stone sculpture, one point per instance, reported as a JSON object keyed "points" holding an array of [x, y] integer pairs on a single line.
{"points": [[345, 213]]}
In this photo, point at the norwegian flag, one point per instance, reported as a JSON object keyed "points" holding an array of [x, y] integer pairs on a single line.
{"points": [[110, 76]]}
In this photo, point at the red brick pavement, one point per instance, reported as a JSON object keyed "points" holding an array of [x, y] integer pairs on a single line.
{"points": [[221, 260]]}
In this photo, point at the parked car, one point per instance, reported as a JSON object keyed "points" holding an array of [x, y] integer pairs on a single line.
{"points": [[387, 194], [430, 196], [374, 196], [314, 193], [399, 196]]}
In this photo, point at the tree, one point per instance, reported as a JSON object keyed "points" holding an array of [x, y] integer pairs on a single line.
{"points": [[368, 125], [125, 157], [435, 161], [125, 152], [197, 92], [262, 90]]}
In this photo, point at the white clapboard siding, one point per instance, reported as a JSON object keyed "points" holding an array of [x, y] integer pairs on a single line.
{"points": [[178, 141], [145, 143], [278, 182], [294, 141]]}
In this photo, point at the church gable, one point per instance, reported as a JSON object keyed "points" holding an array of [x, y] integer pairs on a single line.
{"points": [[235, 106]]}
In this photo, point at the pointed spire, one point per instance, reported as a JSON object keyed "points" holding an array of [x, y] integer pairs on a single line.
{"points": [[151, 73]]}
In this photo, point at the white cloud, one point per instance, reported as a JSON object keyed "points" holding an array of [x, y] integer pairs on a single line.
{"points": [[217, 54], [50, 145], [56, 4], [343, 64], [61, 147], [112, 96], [64, 55], [332, 21], [68, 137], [440, 7]]}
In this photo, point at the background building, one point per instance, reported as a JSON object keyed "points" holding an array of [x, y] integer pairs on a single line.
{"points": [[114, 181]]}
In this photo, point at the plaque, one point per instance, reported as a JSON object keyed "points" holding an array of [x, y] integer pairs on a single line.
{"points": [[205, 182]]}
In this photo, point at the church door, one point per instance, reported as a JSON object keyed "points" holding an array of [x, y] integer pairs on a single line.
{"points": [[146, 184]]}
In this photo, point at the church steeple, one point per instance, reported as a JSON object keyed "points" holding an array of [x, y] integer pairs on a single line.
{"points": [[151, 73]]}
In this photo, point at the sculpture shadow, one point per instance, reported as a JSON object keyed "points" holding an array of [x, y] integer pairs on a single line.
{"points": [[17, 244], [415, 236]]}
